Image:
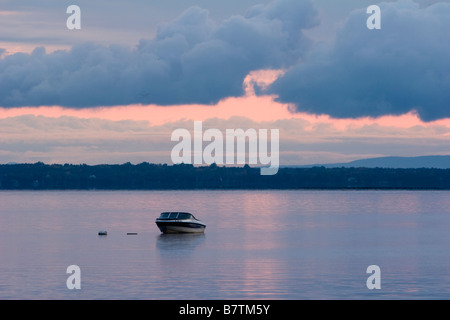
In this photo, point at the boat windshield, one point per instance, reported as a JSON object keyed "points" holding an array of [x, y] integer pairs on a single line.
{"points": [[183, 215], [164, 215], [175, 215]]}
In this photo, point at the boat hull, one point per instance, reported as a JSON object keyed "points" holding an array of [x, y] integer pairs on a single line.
{"points": [[180, 227]]}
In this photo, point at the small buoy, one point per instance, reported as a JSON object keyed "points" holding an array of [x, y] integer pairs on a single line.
{"points": [[102, 233], [131, 233]]}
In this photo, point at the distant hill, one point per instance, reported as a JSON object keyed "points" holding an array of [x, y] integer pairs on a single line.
{"points": [[438, 162]]}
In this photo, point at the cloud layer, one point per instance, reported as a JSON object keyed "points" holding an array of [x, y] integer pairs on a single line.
{"points": [[197, 60], [190, 60], [400, 68]]}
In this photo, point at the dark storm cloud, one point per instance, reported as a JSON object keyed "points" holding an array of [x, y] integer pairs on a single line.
{"points": [[403, 67], [190, 60]]}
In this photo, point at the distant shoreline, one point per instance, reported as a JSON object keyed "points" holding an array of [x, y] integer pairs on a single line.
{"points": [[147, 176]]}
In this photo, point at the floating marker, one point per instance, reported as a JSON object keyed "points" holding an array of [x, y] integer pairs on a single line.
{"points": [[102, 233]]}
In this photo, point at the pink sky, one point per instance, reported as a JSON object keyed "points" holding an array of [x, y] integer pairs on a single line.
{"points": [[305, 138]]}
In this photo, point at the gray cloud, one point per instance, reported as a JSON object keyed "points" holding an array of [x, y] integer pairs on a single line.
{"points": [[400, 68], [190, 60]]}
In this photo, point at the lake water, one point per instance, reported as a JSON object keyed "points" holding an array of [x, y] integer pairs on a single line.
{"points": [[257, 245]]}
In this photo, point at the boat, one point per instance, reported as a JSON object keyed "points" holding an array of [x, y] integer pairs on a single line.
{"points": [[179, 222]]}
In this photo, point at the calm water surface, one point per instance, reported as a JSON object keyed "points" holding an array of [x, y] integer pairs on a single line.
{"points": [[257, 245]]}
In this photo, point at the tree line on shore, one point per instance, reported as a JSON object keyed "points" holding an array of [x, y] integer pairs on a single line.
{"points": [[148, 176]]}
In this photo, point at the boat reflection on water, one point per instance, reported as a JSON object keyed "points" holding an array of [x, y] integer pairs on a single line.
{"points": [[179, 244]]}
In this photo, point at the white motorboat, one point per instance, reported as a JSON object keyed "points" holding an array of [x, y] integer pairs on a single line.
{"points": [[179, 222]]}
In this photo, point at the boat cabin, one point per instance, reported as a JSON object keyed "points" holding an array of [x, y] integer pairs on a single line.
{"points": [[176, 216]]}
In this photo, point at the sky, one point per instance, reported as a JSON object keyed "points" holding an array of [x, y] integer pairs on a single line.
{"points": [[114, 90]]}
